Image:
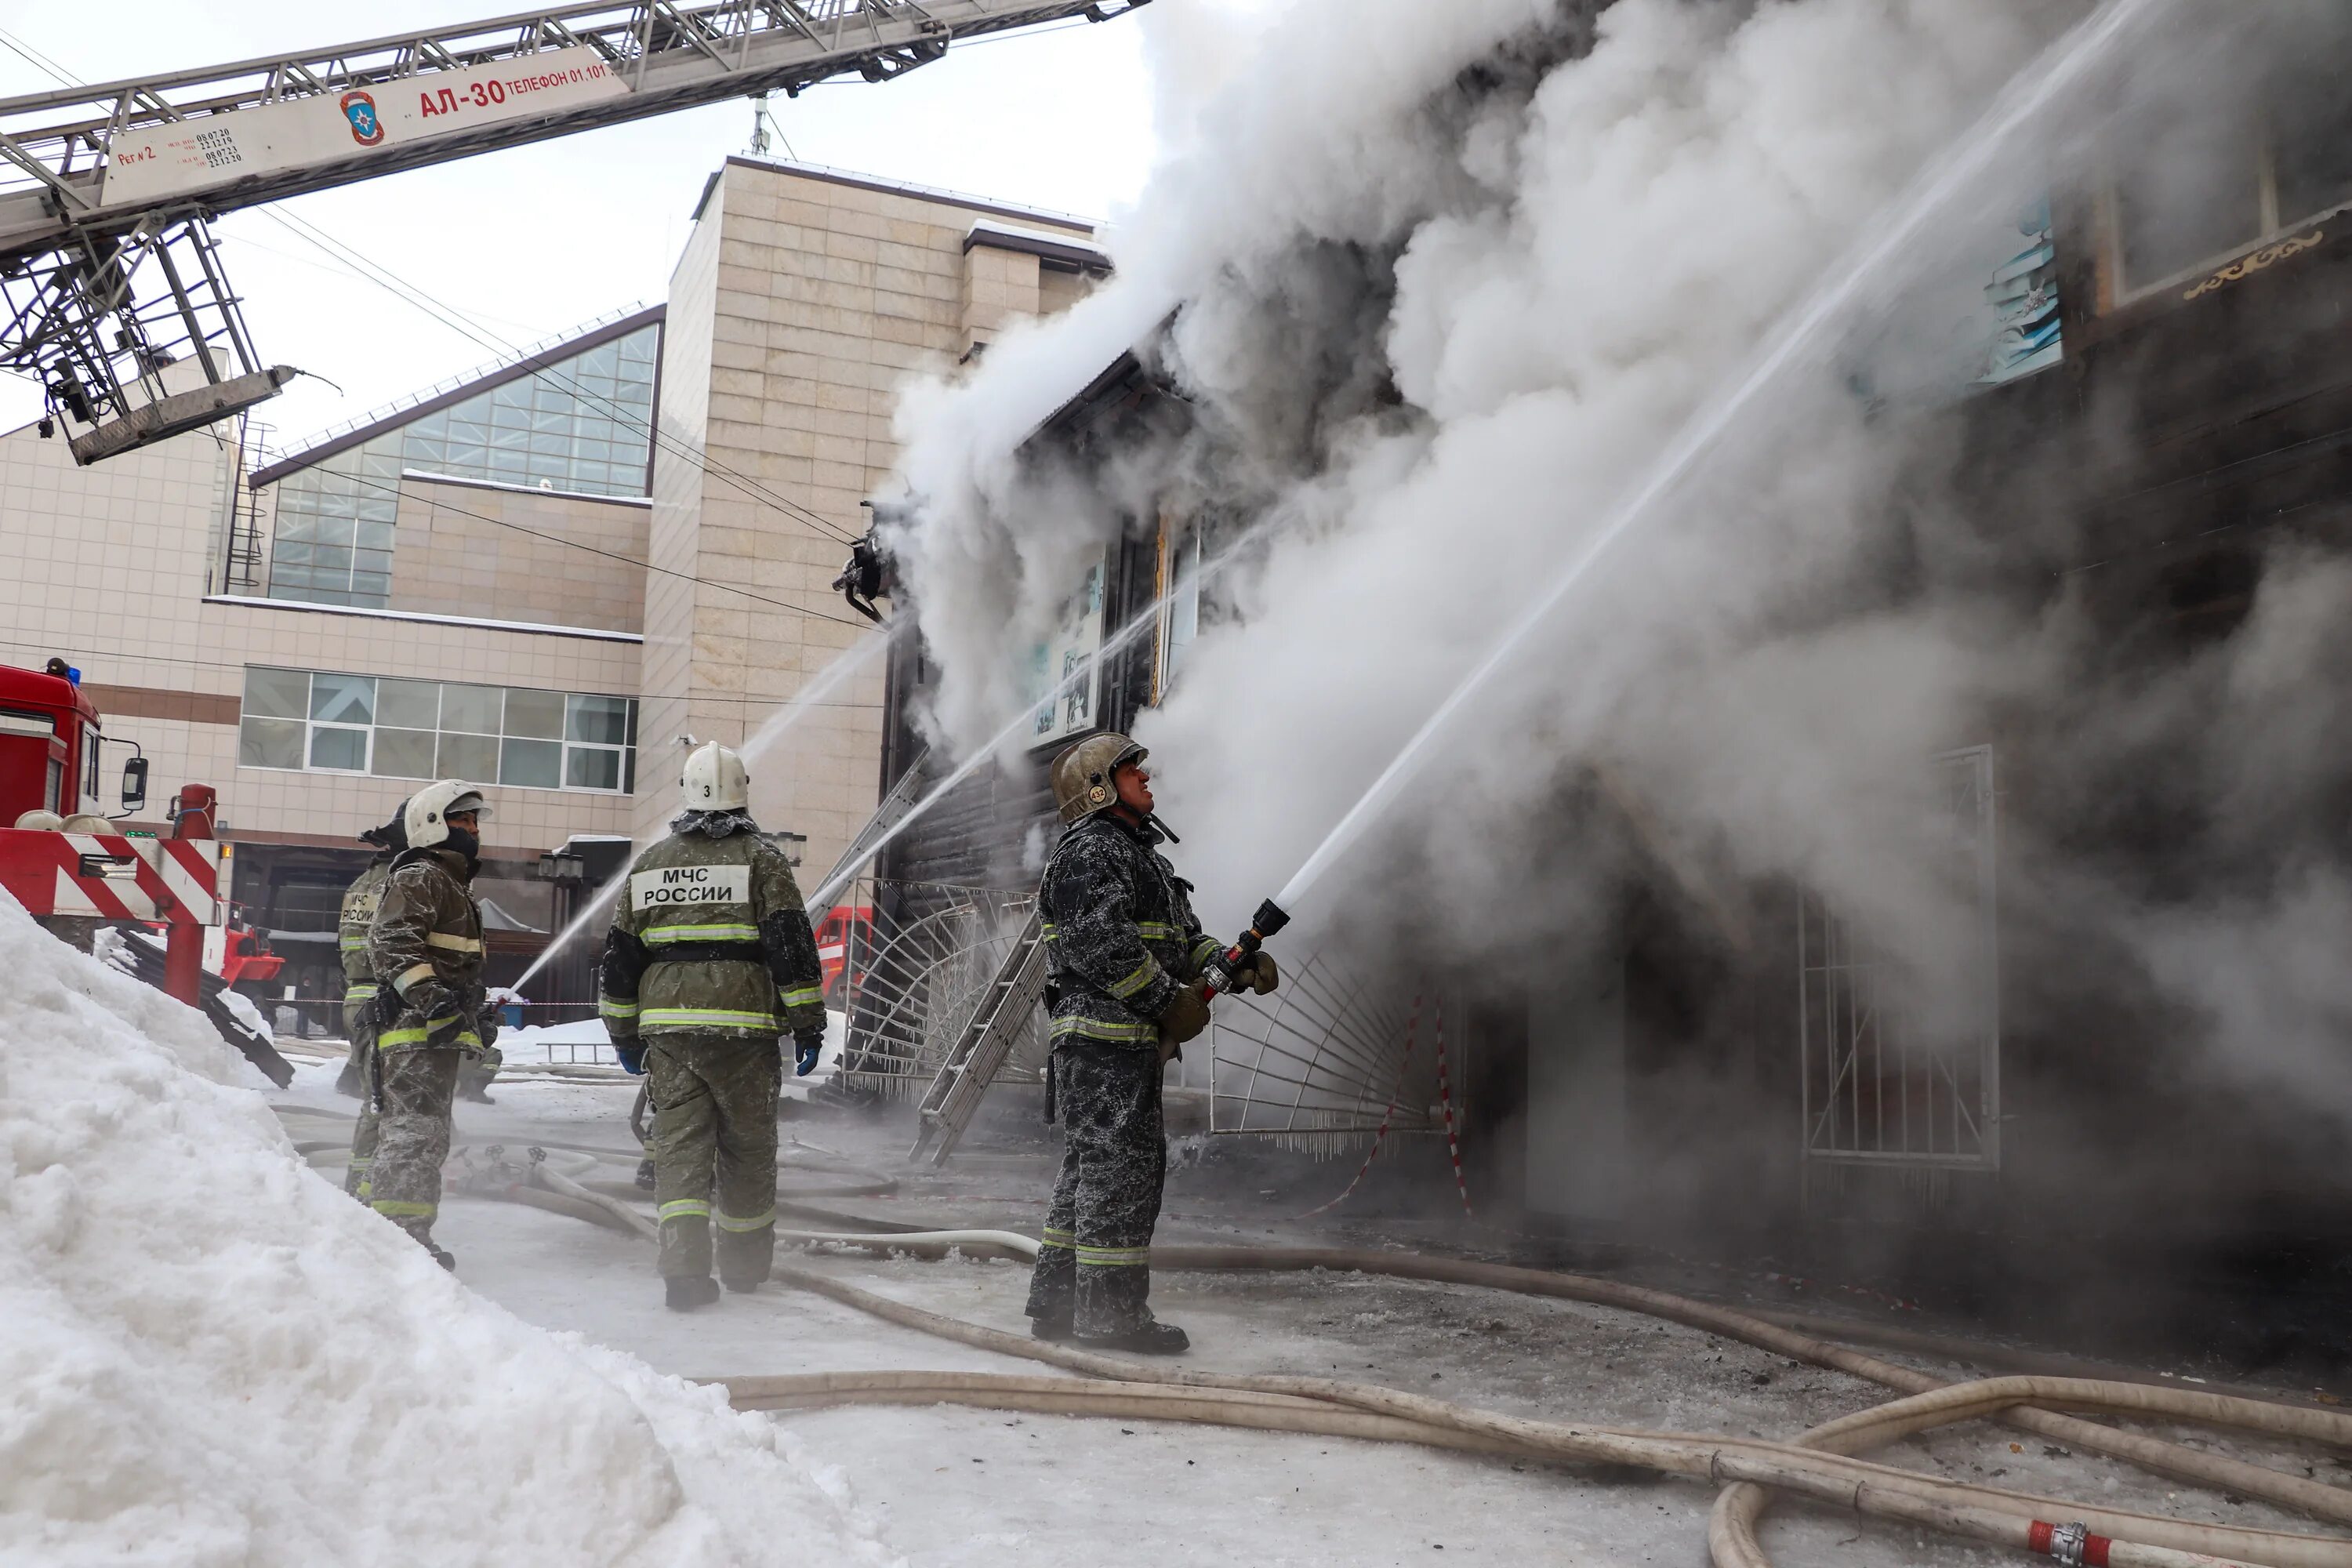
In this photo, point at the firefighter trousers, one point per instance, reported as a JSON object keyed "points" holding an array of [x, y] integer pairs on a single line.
{"points": [[714, 1099], [363, 1133], [417, 1084], [1094, 1264]]}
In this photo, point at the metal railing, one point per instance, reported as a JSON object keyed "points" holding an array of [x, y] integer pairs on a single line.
{"points": [[1323, 1062], [912, 978], [1881, 1085]]}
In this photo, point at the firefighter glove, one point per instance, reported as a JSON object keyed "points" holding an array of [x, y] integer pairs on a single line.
{"points": [[632, 1057], [807, 1046], [1184, 1018], [1257, 975]]}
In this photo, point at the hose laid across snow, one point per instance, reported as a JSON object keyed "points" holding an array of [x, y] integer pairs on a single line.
{"points": [[1911, 1502], [1818, 1465], [1849, 1482]]}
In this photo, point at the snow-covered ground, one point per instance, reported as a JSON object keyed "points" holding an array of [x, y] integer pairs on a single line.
{"points": [[215, 1357], [951, 1487]]}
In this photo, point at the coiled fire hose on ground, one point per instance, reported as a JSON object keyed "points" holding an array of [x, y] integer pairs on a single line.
{"points": [[1331, 1407], [1818, 1464]]}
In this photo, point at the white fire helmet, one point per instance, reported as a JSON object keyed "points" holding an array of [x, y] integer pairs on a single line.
{"points": [[38, 821], [715, 779], [85, 822], [426, 816]]}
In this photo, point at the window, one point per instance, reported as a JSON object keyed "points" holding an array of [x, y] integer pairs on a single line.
{"points": [[1062, 675], [515, 737], [90, 743], [2215, 173], [582, 424]]}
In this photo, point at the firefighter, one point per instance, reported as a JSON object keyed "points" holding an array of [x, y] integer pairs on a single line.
{"points": [[426, 946], [360, 901], [1124, 957], [708, 960]]}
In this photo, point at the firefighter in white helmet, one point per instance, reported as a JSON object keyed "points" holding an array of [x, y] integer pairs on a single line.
{"points": [[425, 947], [709, 962]]}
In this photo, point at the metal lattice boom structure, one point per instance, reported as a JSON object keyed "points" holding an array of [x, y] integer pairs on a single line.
{"points": [[96, 180]]}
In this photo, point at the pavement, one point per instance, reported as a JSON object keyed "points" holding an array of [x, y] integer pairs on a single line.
{"points": [[953, 1486]]}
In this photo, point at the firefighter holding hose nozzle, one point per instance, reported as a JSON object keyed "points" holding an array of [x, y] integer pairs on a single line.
{"points": [[1125, 963]]}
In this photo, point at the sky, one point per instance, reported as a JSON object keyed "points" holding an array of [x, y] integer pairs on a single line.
{"points": [[532, 241]]}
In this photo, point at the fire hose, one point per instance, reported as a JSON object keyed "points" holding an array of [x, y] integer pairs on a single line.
{"points": [[1818, 1464]]}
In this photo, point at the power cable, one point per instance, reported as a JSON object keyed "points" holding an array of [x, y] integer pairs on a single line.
{"points": [[482, 336], [39, 60], [438, 505], [80, 650], [485, 337]]}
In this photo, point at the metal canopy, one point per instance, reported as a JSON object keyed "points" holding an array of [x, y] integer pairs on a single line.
{"points": [[84, 168]]}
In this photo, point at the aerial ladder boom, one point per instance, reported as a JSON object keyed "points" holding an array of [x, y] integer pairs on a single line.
{"points": [[97, 180]]}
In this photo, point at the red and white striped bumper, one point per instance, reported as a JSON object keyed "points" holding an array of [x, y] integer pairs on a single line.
{"points": [[113, 878]]}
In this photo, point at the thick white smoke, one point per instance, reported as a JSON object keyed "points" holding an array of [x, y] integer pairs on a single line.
{"points": [[1572, 264], [1450, 280]]}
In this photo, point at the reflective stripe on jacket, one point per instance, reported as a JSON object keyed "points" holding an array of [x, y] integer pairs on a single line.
{"points": [[708, 937], [427, 944], [1120, 935], [360, 901]]}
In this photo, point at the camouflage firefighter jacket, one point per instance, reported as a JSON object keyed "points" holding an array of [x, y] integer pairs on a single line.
{"points": [[360, 900], [1120, 935], [425, 944], [708, 937]]}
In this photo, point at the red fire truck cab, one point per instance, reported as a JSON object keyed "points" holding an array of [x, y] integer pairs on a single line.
{"points": [[49, 742]]}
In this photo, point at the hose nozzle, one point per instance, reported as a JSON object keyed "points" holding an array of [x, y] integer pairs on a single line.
{"points": [[1223, 971]]}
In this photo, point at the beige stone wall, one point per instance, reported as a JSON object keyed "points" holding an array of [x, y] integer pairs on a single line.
{"points": [[107, 568], [504, 554], [1058, 290], [1000, 287], [823, 299], [801, 306]]}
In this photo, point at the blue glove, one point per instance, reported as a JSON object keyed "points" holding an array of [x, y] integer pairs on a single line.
{"points": [[633, 1057], [806, 1048]]}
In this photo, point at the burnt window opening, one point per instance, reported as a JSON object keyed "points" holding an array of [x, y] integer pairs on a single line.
{"points": [[2202, 184]]}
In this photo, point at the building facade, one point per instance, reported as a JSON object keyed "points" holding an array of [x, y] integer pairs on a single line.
{"points": [[805, 298], [469, 583]]}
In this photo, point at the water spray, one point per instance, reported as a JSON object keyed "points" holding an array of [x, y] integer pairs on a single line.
{"points": [[1801, 329], [849, 662], [1143, 620]]}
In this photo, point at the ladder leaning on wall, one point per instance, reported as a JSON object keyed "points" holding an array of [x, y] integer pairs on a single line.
{"points": [[983, 1046]]}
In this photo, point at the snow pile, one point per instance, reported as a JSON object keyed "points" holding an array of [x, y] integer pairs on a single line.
{"points": [[247, 1012], [213, 1357]]}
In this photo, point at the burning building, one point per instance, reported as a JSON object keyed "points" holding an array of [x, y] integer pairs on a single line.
{"points": [[1911, 823]]}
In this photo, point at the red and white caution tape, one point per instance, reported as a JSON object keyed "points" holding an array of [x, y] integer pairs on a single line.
{"points": [[1445, 1098]]}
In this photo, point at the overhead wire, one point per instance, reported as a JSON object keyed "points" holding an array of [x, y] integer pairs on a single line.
{"points": [[440, 505], [484, 337], [179, 661]]}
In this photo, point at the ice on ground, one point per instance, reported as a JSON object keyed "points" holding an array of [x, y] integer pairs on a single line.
{"points": [[213, 1357]]}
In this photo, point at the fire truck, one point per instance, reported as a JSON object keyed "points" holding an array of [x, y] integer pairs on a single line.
{"points": [[64, 861]]}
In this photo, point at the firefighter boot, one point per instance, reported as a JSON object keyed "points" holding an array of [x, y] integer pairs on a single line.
{"points": [[1154, 1338], [684, 1292]]}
